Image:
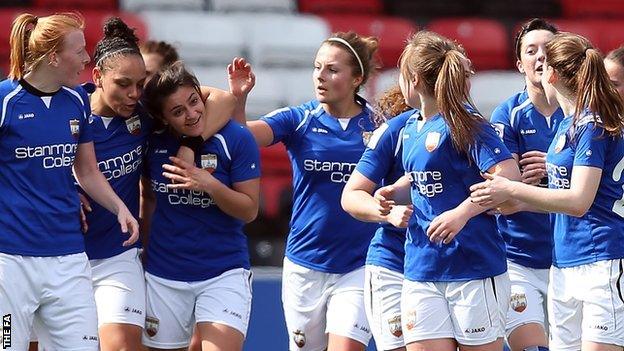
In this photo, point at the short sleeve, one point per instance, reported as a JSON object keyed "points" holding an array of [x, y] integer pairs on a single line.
{"points": [[378, 157], [502, 124], [284, 122], [245, 158], [591, 145], [489, 148]]}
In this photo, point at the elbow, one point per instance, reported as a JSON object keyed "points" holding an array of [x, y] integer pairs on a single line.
{"points": [[579, 210], [251, 215]]}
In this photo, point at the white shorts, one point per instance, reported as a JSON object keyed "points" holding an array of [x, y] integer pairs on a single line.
{"points": [[317, 303], [382, 302], [119, 288], [586, 303], [57, 291], [529, 289], [173, 307], [471, 312]]}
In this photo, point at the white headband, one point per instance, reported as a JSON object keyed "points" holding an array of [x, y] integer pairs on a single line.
{"points": [[345, 43], [113, 53]]}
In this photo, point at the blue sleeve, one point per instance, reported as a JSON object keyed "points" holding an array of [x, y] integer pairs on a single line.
{"points": [[284, 123], [86, 133], [502, 124], [591, 145], [377, 160], [489, 148], [245, 158]]}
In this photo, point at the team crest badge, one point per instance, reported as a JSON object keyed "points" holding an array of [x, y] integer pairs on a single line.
{"points": [[299, 338], [394, 324], [410, 323], [560, 143], [432, 141], [74, 128], [134, 125], [518, 302], [366, 137], [151, 325], [209, 162]]}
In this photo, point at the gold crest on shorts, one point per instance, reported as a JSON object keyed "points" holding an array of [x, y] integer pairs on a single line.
{"points": [[74, 128], [299, 338], [432, 141], [410, 323], [394, 324], [134, 125], [209, 162], [518, 302], [151, 325], [560, 143]]}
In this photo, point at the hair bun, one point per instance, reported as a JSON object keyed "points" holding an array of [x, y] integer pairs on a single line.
{"points": [[116, 28]]}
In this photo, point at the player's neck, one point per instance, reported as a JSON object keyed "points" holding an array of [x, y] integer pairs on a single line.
{"points": [[42, 81], [538, 98], [428, 106], [98, 107], [343, 109]]}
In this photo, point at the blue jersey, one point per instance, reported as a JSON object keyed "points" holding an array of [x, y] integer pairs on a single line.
{"points": [[191, 238], [523, 128], [441, 178], [39, 137], [323, 153], [381, 164], [119, 147], [599, 234]]}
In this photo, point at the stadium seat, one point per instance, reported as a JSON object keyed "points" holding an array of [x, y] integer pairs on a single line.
{"points": [[385, 80], [214, 76], [284, 41], [392, 32], [273, 6], [486, 41], [611, 34], [202, 38], [269, 94], [178, 5], [417, 10], [341, 6], [275, 160], [276, 180], [297, 85], [595, 8], [102, 5], [490, 89], [588, 29], [514, 9], [94, 22]]}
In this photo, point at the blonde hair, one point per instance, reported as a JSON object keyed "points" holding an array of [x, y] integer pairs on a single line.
{"points": [[438, 62], [581, 70], [33, 38]]}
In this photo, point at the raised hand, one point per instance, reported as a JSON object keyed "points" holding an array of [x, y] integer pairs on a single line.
{"points": [[240, 77]]}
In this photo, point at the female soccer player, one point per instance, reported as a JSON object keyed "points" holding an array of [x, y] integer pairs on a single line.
{"points": [[381, 164], [44, 272], [157, 54], [456, 290], [197, 260], [527, 123], [614, 64], [584, 164], [323, 277]]}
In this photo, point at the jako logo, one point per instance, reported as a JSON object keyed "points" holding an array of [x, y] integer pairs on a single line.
{"points": [[6, 331]]}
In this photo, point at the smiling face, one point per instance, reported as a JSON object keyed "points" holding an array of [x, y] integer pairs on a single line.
{"points": [[333, 77], [121, 84], [532, 54], [183, 111], [616, 75], [71, 58]]}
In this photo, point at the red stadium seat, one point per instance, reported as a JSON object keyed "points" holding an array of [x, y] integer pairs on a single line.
{"points": [[341, 6], [392, 32], [486, 41], [588, 29], [102, 5], [611, 34], [594, 8], [276, 180], [94, 21]]}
